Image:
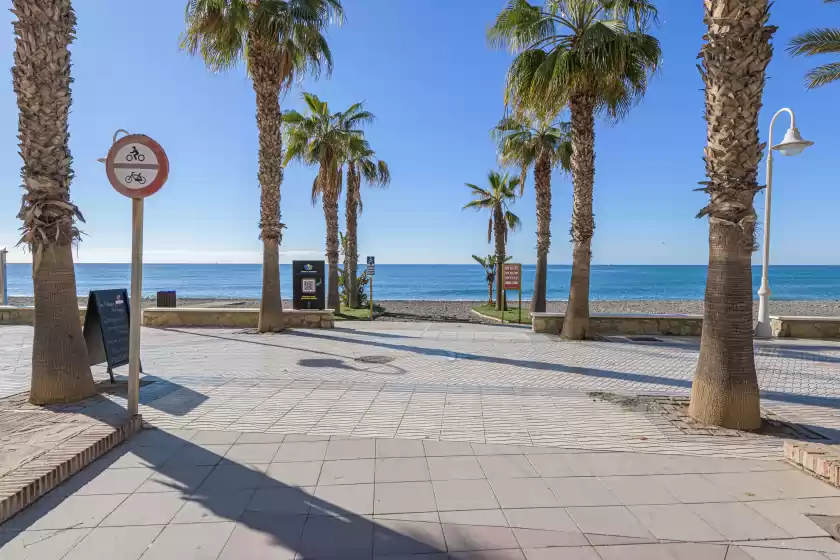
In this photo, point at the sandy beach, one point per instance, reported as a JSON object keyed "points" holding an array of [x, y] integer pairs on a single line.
{"points": [[459, 311]]}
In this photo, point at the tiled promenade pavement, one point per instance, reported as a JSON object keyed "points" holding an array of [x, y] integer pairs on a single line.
{"points": [[483, 384], [472, 442], [229, 495]]}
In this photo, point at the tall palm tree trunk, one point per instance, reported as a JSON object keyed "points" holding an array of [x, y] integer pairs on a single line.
{"points": [[499, 234], [582, 109], [351, 255], [41, 80], [735, 59], [542, 181], [330, 200], [265, 69]]}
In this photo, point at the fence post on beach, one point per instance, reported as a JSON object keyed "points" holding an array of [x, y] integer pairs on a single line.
{"points": [[4, 278]]}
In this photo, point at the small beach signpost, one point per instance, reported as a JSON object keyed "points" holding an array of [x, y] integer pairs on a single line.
{"points": [[512, 277], [137, 167], [371, 272]]}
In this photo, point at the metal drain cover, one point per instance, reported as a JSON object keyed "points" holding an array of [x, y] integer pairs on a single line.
{"points": [[375, 359]]}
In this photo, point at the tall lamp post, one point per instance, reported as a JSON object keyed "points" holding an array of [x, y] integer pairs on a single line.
{"points": [[792, 145]]}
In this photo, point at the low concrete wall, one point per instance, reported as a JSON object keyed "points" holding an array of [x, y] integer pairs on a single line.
{"points": [[232, 318], [629, 324], [805, 327], [24, 315]]}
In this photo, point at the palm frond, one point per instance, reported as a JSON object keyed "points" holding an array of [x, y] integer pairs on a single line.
{"points": [[823, 75], [815, 41]]}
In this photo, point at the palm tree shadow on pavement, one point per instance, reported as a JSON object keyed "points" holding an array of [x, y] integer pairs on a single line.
{"points": [[272, 515]]}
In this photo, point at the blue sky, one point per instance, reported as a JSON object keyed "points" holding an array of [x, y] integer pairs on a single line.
{"points": [[425, 70]]}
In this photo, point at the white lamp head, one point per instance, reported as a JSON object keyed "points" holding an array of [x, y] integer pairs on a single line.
{"points": [[793, 144]]}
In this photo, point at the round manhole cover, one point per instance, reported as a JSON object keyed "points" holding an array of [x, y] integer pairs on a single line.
{"points": [[375, 359]]}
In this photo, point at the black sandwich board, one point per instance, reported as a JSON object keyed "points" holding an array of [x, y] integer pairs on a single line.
{"points": [[107, 327]]}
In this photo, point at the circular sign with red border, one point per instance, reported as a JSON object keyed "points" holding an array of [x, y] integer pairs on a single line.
{"points": [[137, 166]]}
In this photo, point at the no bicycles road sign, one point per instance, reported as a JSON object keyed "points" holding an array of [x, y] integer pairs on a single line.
{"points": [[137, 166]]}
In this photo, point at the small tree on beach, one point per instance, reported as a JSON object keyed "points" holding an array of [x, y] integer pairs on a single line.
{"points": [[41, 80], [819, 41], [734, 59], [322, 138], [527, 140], [489, 265], [362, 166], [595, 56], [496, 198], [279, 41]]}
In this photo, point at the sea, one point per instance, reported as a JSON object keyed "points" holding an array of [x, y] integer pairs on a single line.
{"points": [[442, 282]]}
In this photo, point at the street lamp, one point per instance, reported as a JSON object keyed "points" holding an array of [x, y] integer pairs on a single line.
{"points": [[792, 145]]}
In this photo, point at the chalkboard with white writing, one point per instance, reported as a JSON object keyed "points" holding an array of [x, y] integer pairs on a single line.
{"points": [[107, 327]]}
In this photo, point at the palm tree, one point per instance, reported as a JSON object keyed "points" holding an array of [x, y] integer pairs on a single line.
{"points": [[279, 41], [362, 165], [322, 138], [819, 41], [526, 141], [595, 56], [41, 80], [735, 58], [489, 264], [502, 192]]}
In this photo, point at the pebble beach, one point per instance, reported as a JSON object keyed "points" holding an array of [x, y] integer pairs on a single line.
{"points": [[459, 311]]}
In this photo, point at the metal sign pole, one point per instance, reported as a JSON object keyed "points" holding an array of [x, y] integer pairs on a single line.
{"points": [[371, 298], [520, 300], [137, 304]]}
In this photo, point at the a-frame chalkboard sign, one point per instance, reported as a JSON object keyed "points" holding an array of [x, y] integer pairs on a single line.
{"points": [[107, 327]]}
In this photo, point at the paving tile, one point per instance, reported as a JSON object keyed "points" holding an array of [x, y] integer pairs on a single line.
{"points": [[404, 497], [343, 500], [491, 449], [113, 481], [330, 537], [39, 545], [209, 454], [351, 449], [262, 536], [348, 471], [523, 493], [485, 517], [635, 552], [547, 519], [432, 556], [507, 466], [699, 551], [215, 437], [296, 438], [407, 537], [736, 521], [476, 537], [301, 451], [606, 525], [791, 515], [192, 541], [692, 488], [252, 452], [509, 554], [772, 485], [56, 512], [447, 448], [146, 509], [452, 495], [225, 505], [292, 474], [581, 491], [551, 465], [674, 523], [388, 448], [281, 501], [252, 437], [402, 469], [638, 490], [233, 476], [110, 543], [756, 553], [455, 468], [825, 545], [566, 553], [184, 479], [143, 456]]}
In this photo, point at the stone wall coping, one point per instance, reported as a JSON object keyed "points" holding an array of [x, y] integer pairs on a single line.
{"points": [[210, 310], [804, 318], [548, 315]]}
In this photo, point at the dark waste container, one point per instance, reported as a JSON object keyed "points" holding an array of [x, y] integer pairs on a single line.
{"points": [[166, 299]]}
